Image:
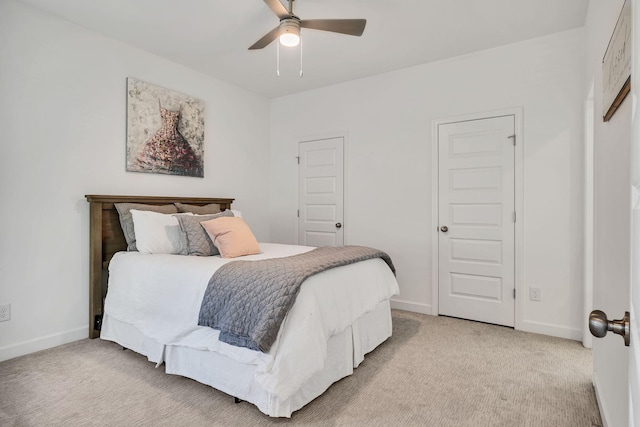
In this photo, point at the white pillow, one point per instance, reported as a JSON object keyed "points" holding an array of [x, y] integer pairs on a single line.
{"points": [[236, 213], [158, 233]]}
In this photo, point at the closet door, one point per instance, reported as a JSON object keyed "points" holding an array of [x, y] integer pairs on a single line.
{"points": [[321, 192], [477, 220]]}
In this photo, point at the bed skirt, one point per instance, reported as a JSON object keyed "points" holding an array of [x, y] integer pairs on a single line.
{"points": [[345, 351]]}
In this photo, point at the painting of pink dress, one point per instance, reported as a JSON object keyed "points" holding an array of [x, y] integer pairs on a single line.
{"points": [[165, 131]]}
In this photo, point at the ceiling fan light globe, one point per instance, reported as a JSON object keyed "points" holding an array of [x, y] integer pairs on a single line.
{"points": [[289, 39], [290, 32]]}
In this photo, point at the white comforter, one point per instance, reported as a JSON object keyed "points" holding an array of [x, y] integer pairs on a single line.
{"points": [[160, 295]]}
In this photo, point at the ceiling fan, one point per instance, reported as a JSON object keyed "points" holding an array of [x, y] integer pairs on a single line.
{"points": [[289, 29]]}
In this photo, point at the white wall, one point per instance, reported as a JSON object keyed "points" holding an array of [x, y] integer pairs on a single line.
{"points": [[63, 124], [388, 120], [612, 216]]}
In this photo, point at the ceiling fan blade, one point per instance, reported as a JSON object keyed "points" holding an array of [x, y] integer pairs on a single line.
{"points": [[278, 8], [266, 39], [352, 27]]}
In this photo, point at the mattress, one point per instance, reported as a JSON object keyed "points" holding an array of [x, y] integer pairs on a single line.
{"points": [[153, 303]]}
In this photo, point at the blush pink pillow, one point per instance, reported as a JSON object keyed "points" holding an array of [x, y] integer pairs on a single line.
{"points": [[232, 236]]}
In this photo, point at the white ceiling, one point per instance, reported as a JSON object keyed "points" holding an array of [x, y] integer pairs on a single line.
{"points": [[212, 36]]}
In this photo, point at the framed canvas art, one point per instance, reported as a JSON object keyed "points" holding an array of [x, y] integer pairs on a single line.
{"points": [[616, 64], [165, 131]]}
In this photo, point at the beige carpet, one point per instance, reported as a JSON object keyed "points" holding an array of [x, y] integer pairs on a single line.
{"points": [[434, 371]]}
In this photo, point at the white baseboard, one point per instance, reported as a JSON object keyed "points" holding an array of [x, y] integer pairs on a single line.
{"points": [[603, 410], [43, 343], [415, 307], [550, 329]]}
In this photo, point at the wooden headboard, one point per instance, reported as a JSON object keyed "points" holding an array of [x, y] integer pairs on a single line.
{"points": [[106, 238]]}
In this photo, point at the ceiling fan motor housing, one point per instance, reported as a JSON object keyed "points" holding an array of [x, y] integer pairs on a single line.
{"points": [[290, 25]]}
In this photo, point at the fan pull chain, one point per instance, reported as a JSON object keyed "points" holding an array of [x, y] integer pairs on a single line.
{"points": [[278, 58], [301, 73]]}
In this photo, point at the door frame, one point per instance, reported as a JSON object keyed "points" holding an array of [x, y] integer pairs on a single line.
{"points": [[589, 211], [517, 112], [345, 179]]}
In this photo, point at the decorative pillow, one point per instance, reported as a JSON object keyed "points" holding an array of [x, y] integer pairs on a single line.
{"points": [[126, 220], [212, 208], [158, 233], [198, 241], [232, 237]]}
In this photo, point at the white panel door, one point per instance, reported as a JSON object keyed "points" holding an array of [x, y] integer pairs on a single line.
{"points": [[476, 245], [616, 368], [616, 264], [321, 198], [634, 354]]}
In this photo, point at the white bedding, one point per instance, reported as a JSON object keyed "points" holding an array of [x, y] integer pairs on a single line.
{"points": [[160, 295]]}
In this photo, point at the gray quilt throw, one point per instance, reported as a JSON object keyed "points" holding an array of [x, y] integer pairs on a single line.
{"points": [[248, 300]]}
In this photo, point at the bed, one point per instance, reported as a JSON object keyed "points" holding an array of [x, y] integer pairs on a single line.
{"points": [[148, 303]]}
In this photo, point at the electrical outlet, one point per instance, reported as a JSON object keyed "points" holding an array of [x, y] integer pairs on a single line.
{"points": [[535, 294], [5, 312]]}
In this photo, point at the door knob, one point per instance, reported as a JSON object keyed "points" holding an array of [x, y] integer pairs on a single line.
{"points": [[599, 325], [444, 228], [338, 225]]}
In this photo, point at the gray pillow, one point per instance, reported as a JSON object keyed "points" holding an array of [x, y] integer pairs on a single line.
{"points": [[212, 208], [198, 241], [126, 219]]}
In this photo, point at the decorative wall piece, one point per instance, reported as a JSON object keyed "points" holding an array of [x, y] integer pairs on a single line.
{"points": [[165, 130], [616, 65]]}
